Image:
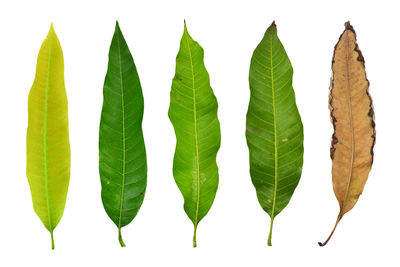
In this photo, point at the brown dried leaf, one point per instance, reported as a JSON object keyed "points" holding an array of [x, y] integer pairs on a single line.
{"points": [[352, 117]]}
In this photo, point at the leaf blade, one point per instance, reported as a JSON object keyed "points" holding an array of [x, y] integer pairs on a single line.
{"points": [[352, 116], [48, 149], [193, 114], [274, 130], [122, 153]]}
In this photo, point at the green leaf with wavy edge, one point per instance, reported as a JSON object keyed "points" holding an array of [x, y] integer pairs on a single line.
{"points": [[122, 153], [47, 140], [274, 130], [193, 113]]}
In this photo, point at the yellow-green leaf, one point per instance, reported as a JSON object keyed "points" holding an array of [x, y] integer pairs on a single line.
{"points": [[193, 113], [47, 141]]}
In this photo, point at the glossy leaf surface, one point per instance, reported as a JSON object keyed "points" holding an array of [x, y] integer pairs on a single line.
{"points": [[274, 130], [193, 113], [122, 154], [48, 149]]}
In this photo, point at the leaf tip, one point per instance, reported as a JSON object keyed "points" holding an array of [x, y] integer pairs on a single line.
{"points": [[348, 26], [272, 28], [117, 25], [185, 30], [51, 31]]}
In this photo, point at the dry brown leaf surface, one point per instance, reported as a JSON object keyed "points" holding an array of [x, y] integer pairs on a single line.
{"points": [[353, 120]]}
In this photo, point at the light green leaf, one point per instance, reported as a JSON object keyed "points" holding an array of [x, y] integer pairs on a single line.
{"points": [[274, 129], [47, 140], [193, 113], [122, 153]]}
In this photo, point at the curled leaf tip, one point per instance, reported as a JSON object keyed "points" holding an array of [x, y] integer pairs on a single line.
{"points": [[273, 24]]}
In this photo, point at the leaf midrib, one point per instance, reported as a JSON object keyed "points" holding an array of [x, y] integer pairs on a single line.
{"points": [[123, 134], [275, 140], [350, 114], [46, 177], [196, 135]]}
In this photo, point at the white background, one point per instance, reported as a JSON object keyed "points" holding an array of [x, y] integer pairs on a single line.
{"points": [[234, 233]]}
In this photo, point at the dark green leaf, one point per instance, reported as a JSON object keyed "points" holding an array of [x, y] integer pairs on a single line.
{"points": [[274, 129], [122, 154]]}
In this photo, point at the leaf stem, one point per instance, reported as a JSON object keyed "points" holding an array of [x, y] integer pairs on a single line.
{"points": [[52, 240], [334, 228], [270, 232], [194, 237], [120, 238]]}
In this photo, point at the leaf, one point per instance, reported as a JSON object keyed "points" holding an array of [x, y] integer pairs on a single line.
{"points": [[352, 116], [274, 130], [122, 153], [47, 140], [193, 113]]}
